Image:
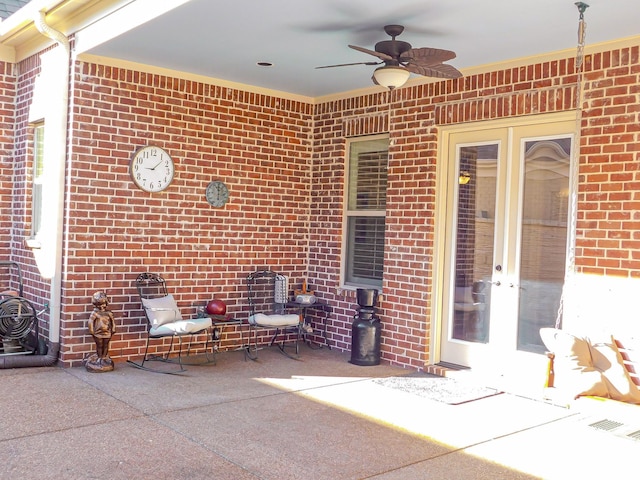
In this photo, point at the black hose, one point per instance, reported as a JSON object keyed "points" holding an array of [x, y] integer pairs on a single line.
{"points": [[25, 361]]}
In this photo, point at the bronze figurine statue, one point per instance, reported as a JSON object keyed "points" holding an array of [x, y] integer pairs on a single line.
{"points": [[102, 326]]}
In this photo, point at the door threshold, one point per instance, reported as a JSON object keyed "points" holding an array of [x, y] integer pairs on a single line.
{"points": [[446, 369]]}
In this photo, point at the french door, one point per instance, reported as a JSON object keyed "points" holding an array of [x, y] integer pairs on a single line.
{"points": [[505, 243]]}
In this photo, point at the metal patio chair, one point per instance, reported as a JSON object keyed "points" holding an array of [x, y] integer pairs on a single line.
{"points": [[470, 306], [165, 320], [268, 296]]}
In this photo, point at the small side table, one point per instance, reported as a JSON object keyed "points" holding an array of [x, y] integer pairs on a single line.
{"points": [[218, 324], [317, 322]]}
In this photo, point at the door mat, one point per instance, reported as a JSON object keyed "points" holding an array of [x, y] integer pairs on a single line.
{"points": [[441, 389]]}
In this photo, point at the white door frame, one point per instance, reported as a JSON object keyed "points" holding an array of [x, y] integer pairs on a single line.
{"points": [[443, 195]]}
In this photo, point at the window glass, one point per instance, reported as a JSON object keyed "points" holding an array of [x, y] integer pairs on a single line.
{"points": [[38, 176], [366, 203]]}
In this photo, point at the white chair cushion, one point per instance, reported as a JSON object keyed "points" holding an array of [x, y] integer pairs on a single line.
{"points": [[464, 302], [161, 310], [275, 320], [469, 307], [181, 327]]}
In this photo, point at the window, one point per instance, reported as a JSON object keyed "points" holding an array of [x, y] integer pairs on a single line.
{"points": [[38, 171], [365, 214]]}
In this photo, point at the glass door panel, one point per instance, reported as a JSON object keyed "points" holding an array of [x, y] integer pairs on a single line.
{"points": [[543, 238], [474, 241]]}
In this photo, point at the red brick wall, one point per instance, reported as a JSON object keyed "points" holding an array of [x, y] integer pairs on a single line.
{"points": [[608, 192], [410, 205], [19, 161], [7, 122], [333, 123], [284, 164], [259, 145], [609, 201]]}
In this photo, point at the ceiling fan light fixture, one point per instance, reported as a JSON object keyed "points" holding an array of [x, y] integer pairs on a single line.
{"points": [[391, 76]]}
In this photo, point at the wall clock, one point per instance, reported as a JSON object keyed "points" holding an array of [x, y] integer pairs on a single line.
{"points": [[152, 169], [217, 193]]}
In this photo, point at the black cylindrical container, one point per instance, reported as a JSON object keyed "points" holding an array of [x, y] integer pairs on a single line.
{"points": [[365, 341], [367, 297]]}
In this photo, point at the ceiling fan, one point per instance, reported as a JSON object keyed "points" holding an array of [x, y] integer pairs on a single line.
{"points": [[400, 60]]}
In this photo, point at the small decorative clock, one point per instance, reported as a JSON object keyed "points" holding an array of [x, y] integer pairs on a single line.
{"points": [[152, 169], [217, 193]]}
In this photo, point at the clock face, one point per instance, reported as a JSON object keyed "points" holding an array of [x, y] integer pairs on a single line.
{"points": [[217, 193], [152, 169]]}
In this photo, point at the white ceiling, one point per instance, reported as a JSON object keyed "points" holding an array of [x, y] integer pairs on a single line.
{"points": [[225, 39]]}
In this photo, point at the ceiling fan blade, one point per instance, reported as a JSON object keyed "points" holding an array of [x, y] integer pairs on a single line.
{"points": [[427, 56], [380, 55], [349, 64], [438, 71]]}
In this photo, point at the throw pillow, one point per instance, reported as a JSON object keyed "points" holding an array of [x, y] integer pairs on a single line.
{"points": [[573, 365], [161, 310], [608, 360]]}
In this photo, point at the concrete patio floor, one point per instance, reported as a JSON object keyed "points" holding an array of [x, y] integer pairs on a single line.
{"points": [[319, 417]]}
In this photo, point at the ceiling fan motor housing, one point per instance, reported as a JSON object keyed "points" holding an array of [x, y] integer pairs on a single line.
{"points": [[393, 48]]}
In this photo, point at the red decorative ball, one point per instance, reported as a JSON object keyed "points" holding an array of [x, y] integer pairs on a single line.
{"points": [[216, 307]]}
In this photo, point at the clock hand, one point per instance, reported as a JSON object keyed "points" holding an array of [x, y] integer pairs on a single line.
{"points": [[156, 166]]}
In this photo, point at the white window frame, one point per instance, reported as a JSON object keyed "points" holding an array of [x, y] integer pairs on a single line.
{"points": [[350, 277]]}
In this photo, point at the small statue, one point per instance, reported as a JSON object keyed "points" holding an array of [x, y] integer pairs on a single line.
{"points": [[102, 326]]}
